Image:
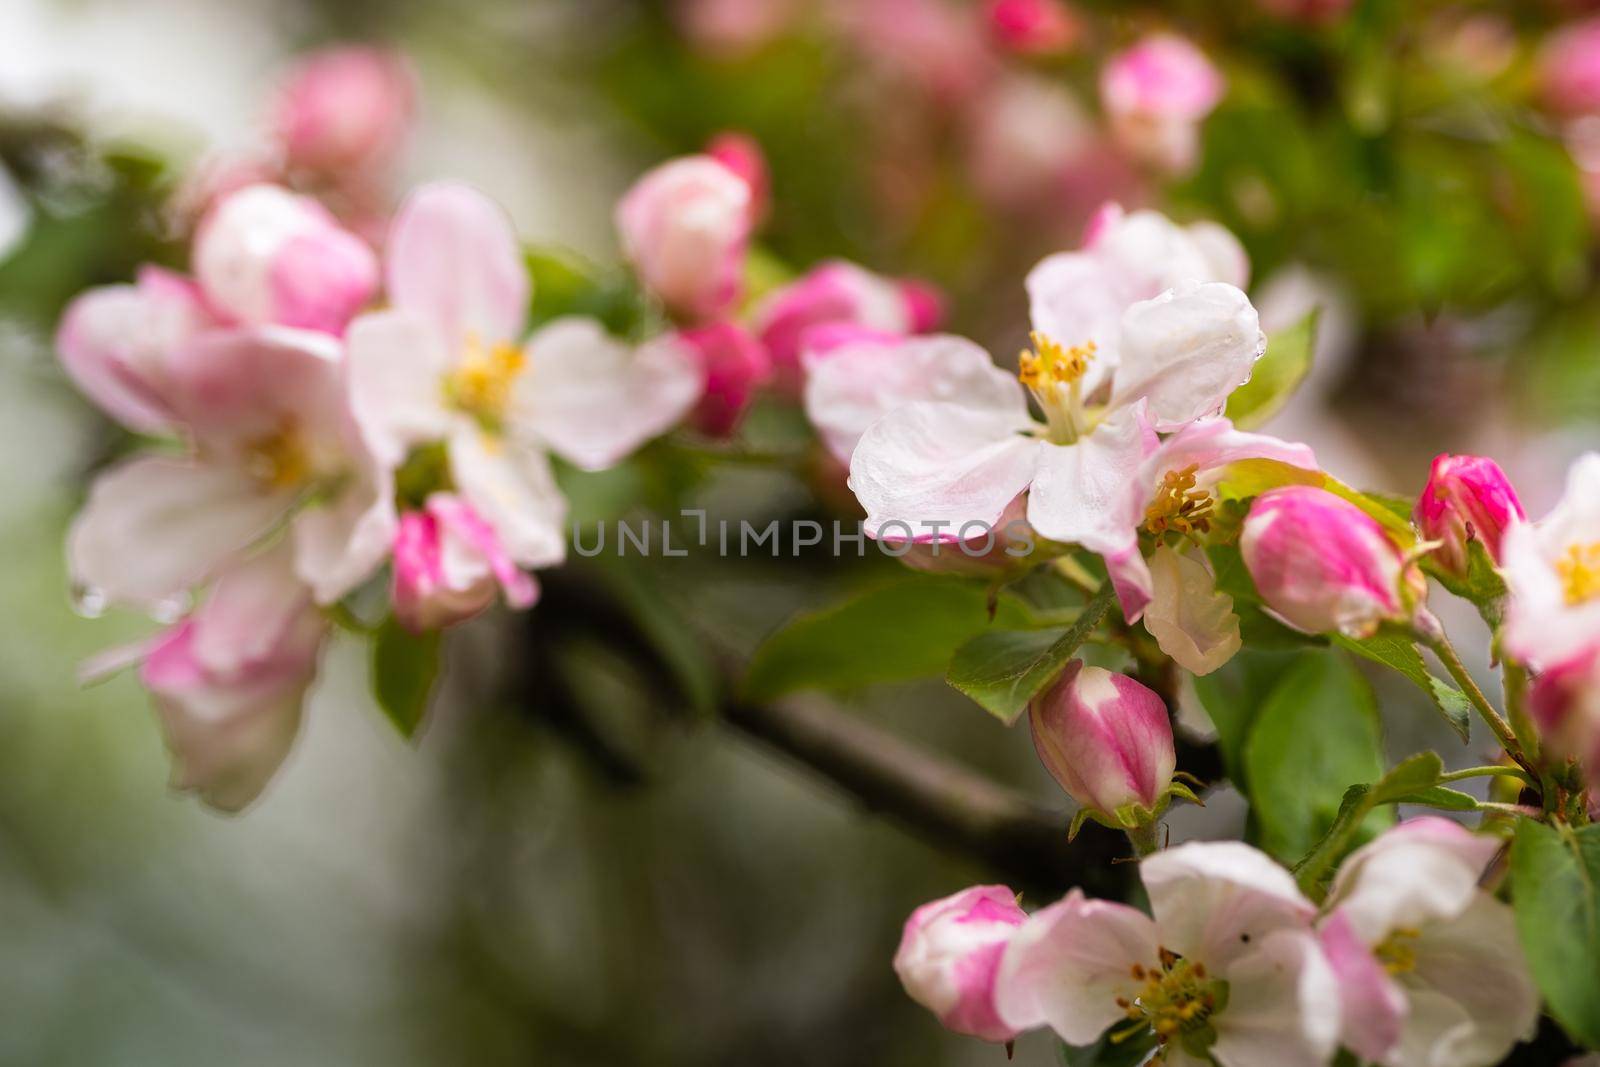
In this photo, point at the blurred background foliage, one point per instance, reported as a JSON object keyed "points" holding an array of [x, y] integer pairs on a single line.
{"points": [[593, 881]]}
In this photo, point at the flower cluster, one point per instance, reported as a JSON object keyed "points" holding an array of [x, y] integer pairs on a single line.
{"points": [[1409, 961]]}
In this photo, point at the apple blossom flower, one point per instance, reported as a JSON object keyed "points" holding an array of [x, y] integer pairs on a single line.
{"points": [[1033, 27], [1569, 68], [443, 364], [1191, 619], [685, 226], [1027, 134], [1565, 703], [949, 953], [272, 442], [1467, 498], [730, 29], [1155, 94], [742, 154], [117, 342], [1225, 969], [934, 47], [1322, 564], [229, 680], [1105, 738], [345, 112], [1552, 569], [1430, 966], [992, 553], [833, 293], [960, 458], [734, 365], [448, 564], [264, 255]]}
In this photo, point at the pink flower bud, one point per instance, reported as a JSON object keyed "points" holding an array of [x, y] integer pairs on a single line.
{"points": [[833, 293], [1034, 27], [1104, 737], [740, 153], [950, 953], [267, 256], [448, 563], [684, 226], [1321, 563], [734, 364], [1569, 69], [1565, 702], [345, 111], [1155, 95], [1467, 498]]}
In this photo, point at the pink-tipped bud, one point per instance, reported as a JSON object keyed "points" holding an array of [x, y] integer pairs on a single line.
{"points": [[1106, 739], [1467, 498], [950, 953], [1565, 702], [267, 256], [1322, 564], [1034, 27], [834, 293], [735, 365], [448, 563], [1155, 95], [685, 226], [740, 153], [1569, 69], [345, 112]]}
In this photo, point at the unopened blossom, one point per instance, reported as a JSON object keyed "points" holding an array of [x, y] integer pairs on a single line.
{"points": [[1430, 966], [1226, 969], [1155, 95], [264, 255], [345, 112], [685, 226], [1569, 69], [742, 154], [1105, 737], [1565, 703], [229, 680], [1322, 564], [1033, 27], [1552, 569], [271, 442], [936, 464], [448, 566], [734, 365], [833, 293], [949, 953], [445, 363], [1467, 498], [117, 343]]}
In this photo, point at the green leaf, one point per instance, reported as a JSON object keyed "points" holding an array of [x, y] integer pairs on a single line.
{"points": [[1400, 653], [1481, 585], [1003, 669], [1233, 698], [1440, 797], [1109, 1052], [404, 667], [1410, 775], [564, 284], [908, 629], [1277, 374], [1318, 733], [1555, 875]]}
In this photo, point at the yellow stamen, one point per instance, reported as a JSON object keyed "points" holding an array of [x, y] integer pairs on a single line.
{"points": [[1176, 998], [1178, 505], [278, 460], [1398, 951], [1580, 572], [1049, 364], [481, 383]]}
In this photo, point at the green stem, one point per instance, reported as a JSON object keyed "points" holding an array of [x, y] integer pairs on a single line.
{"points": [[1515, 677], [1334, 844], [1441, 646], [1144, 839], [1497, 769]]}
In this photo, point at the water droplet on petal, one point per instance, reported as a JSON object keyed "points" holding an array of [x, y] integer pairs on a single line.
{"points": [[88, 601]]}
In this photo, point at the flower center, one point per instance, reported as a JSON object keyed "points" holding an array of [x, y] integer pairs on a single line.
{"points": [[1579, 570], [1178, 505], [480, 384], [1054, 374], [1176, 1003], [1398, 951], [279, 460]]}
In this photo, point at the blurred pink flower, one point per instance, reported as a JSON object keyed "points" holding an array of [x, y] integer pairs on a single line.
{"points": [[1033, 27], [1467, 498], [741, 153], [836, 293], [730, 29], [1155, 95], [346, 112], [684, 226], [1552, 568], [1027, 133], [949, 953], [448, 565], [734, 365], [1569, 68]]}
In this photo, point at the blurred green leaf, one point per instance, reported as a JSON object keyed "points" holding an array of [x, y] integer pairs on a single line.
{"points": [[1555, 874], [1233, 697], [404, 667], [563, 284], [1400, 653], [1277, 374]]}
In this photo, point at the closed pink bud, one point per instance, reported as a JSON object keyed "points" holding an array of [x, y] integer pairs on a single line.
{"points": [[345, 112], [1105, 738], [448, 562], [685, 226], [1569, 69], [1467, 498], [1155, 95], [950, 953], [735, 365], [1321, 563], [740, 153], [1034, 27], [1565, 702], [265, 256], [832, 293]]}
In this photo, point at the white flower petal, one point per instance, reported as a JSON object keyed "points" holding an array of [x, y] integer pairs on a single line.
{"points": [[1217, 900], [1422, 871], [453, 259], [1189, 617], [1084, 493], [340, 543], [395, 367], [1186, 350], [1283, 1006], [512, 488]]}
